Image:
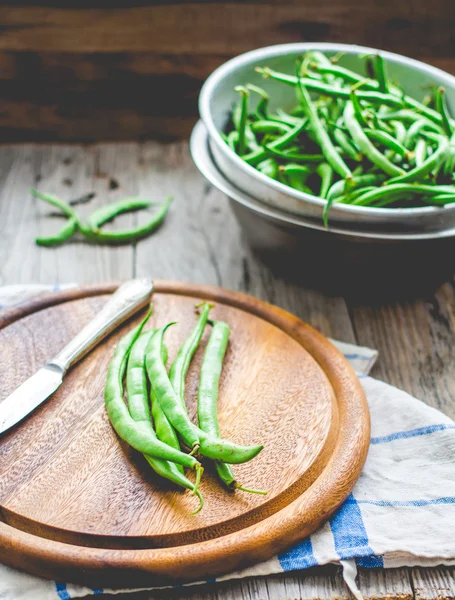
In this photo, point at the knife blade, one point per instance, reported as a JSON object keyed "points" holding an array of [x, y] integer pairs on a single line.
{"points": [[127, 300]]}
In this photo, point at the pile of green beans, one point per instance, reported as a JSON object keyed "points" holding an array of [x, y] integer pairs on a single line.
{"points": [[351, 138], [91, 230], [155, 421]]}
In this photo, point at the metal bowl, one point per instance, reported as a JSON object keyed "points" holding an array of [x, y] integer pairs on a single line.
{"points": [[218, 96], [300, 245]]}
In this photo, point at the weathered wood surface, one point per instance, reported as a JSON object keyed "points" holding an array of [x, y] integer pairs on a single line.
{"points": [[81, 71], [202, 242]]}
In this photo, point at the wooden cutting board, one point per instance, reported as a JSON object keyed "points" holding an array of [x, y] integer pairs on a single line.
{"points": [[77, 504]]}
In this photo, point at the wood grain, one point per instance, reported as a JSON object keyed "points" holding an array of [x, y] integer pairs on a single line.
{"points": [[283, 385], [210, 248], [89, 73]]}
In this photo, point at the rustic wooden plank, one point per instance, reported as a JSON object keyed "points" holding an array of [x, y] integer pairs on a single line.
{"points": [[415, 343], [433, 584], [379, 584], [226, 26], [96, 73]]}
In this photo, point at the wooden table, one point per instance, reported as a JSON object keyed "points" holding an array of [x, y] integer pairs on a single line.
{"points": [[202, 242]]}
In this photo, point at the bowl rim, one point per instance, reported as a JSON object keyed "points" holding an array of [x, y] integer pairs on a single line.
{"points": [[202, 158], [278, 50]]}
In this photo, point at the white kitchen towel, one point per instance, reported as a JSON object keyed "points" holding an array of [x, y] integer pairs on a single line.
{"points": [[400, 513]]}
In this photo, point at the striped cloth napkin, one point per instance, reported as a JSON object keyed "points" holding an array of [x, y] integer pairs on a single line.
{"points": [[401, 512]]}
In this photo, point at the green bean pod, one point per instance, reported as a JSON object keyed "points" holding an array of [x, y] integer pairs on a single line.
{"points": [[241, 125], [381, 75], [374, 97], [268, 167], [134, 234], [171, 405], [232, 140], [432, 162], [364, 144], [264, 98], [325, 172], [321, 135], [397, 189], [208, 396], [181, 364], [139, 435], [67, 231], [136, 385], [108, 212], [270, 127], [387, 140], [441, 106], [260, 154], [420, 152], [345, 144]]}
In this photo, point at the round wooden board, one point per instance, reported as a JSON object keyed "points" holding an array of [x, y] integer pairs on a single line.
{"points": [[79, 505]]}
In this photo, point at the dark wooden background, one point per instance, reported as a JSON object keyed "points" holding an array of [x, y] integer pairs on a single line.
{"points": [[78, 71]]}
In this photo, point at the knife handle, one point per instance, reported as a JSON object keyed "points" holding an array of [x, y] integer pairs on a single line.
{"points": [[128, 299]]}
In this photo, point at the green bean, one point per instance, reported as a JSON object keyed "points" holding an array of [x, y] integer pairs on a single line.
{"points": [[270, 126], [449, 163], [181, 364], [390, 142], [441, 106], [136, 384], [131, 235], [208, 396], [400, 132], [325, 172], [351, 196], [419, 172], [268, 167], [244, 94], [255, 157], [264, 98], [164, 430], [330, 90], [104, 214], [58, 203], [284, 117], [414, 130], [442, 199], [141, 435], [67, 231], [343, 141], [345, 74], [232, 140], [364, 144], [339, 187], [420, 152], [358, 109], [171, 405], [381, 74], [108, 212], [295, 155], [402, 188], [321, 135], [295, 169]]}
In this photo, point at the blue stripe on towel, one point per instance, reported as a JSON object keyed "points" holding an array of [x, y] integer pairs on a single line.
{"points": [[357, 356], [370, 562], [399, 503], [97, 591], [411, 433], [349, 533], [62, 591], [299, 557]]}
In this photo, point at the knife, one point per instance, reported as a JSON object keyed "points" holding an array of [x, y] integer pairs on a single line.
{"points": [[127, 300]]}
